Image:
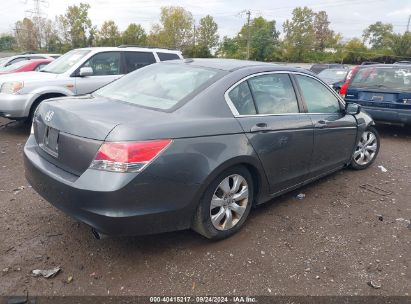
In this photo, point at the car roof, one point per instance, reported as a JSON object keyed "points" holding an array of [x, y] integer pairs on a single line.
{"points": [[383, 65], [129, 48], [230, 65]]}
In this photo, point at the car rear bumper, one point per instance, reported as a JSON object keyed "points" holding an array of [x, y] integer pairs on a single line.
{"points": [[113, 203], [400, 116], [15, 106]]}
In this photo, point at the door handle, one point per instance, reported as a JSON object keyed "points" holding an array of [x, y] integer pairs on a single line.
{"points": [[262, 126], [321, 124]]}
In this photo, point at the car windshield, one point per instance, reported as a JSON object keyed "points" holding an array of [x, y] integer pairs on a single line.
{"points": [[65, 62], [394, 78], [333, 75], [13, 66], [159, 86]]}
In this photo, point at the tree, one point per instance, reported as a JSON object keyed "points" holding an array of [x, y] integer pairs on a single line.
{"points": [[175, 29], [26, 35], [299, 34], [355, 51], [263, 38], [7, 42], [207, 33], [229, 48], [77, 24], [400, 44], [134, 34], [323, 34], [108, 35], [378, 35]]}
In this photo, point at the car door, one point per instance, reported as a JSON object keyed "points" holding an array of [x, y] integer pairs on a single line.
{"points": [[268, 110], [334, 131], [106, 68]]}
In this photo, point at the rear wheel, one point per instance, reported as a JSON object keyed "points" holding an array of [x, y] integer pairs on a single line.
{"points": [[225, 204], [367, 149]]}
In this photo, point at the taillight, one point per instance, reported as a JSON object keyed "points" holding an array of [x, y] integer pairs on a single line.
{"points": [[343, 89], [128, 156]]}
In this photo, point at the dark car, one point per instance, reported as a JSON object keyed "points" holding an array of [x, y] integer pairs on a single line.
{"points": [[317, 68], [334, 77], [192, 144], [384, 91]]}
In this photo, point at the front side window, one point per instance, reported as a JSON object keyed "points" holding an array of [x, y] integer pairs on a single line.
{"points": [[159, 86], [274, 94], [317, 96], [242, 99], [65, 62], [137, 60], [107, 63]]}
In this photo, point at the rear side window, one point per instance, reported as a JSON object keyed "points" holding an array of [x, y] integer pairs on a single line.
{"points": [[241, 98], [318, 98], [107, 63], [274, 94], [17, 60], [167, 56], [137, 60]]}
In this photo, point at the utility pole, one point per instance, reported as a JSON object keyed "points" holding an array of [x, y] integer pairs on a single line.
{"points": [[194, 40], [248, 13], [408, 25], [36, 14]]}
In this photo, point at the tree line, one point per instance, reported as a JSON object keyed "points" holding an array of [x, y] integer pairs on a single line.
{"points": [[305, 37]]}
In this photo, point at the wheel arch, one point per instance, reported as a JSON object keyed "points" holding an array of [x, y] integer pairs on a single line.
{"points": [[253, 165]]}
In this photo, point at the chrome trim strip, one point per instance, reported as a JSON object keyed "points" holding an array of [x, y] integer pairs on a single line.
{"points": [[237, 115]]}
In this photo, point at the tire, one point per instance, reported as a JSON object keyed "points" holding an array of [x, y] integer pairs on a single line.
{"points": [[368, 143], [214, 222]]}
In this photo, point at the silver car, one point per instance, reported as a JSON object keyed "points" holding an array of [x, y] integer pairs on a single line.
{"points": [[78, 72]]}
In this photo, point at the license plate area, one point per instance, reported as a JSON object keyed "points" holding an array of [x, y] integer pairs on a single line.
{"points": [[50, 141]]}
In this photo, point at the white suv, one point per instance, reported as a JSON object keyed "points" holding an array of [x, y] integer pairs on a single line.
{"points": [[80, 71]]}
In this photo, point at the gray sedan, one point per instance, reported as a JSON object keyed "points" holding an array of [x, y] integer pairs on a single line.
{"points": [[192, 144]]}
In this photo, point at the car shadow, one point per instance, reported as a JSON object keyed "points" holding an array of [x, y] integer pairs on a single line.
{"points": [[393, 131], [12, 127]]}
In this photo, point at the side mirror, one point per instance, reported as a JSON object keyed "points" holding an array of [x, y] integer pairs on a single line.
{"points": [[86, 71], [352, 108]]}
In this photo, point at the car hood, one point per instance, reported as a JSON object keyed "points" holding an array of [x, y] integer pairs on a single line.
{"points": [[27, 77]]}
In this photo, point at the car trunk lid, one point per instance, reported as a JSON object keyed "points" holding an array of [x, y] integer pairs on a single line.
{"points": [[69, 131]]}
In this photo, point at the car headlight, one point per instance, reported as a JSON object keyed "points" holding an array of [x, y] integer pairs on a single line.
{"points": [[11, 87]]}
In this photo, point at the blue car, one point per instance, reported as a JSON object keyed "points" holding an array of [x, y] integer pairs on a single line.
{"points": [[384, 92]]}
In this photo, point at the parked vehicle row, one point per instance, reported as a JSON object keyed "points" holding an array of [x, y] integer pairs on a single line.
{"points": [[78, 72], [384, 90], [6, 61], [25, 66], [191, 144]]}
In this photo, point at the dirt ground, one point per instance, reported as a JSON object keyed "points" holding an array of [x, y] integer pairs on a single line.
{"points": [[333, 242]]}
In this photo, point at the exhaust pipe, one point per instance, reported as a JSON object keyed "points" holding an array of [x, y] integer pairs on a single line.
{"points": [[98, 235]]}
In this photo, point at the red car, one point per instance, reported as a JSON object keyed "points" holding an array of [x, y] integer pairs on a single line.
{"points": [[25, 66]]}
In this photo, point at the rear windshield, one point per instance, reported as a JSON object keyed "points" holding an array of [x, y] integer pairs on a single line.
{"points": [[159, 86], [384, 78]]}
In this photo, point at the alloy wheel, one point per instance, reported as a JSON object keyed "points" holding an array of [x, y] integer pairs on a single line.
{"points": [[366, 149], [229, 202]]}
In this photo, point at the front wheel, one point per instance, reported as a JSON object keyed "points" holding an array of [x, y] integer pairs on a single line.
{"points": [[366, 150], [225, 204]]}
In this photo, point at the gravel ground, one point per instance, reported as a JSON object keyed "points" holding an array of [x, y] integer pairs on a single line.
{"points": [[335, 241]]}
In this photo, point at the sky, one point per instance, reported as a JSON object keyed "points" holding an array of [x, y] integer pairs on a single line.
{"points": [[349, 17]]}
